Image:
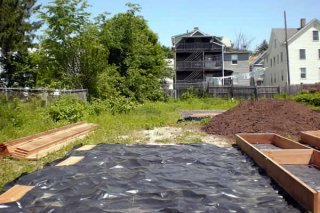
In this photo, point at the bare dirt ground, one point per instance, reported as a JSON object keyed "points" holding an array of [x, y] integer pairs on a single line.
{"points": [[176, 135]]}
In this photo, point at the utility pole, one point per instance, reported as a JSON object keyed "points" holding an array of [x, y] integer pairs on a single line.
{"points": [[287, 50]]}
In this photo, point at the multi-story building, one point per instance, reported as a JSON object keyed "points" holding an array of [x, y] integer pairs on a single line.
{"points": [[303, 54], [199, 55]]}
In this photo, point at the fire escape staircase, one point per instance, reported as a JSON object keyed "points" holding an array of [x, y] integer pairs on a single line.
{"points": [[195, 56]]}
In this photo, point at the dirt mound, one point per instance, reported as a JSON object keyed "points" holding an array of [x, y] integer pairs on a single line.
{"points": [[276, 116]]}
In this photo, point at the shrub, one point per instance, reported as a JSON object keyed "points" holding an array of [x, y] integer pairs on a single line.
{"points": [[313, 90], [68, 109], [10, 113], [120, 104], [310, 98], [191, 93]]}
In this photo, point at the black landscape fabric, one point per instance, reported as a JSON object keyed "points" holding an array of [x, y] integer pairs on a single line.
{"points": [[147, 178]]}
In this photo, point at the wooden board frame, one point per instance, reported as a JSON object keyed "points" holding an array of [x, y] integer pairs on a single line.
{"points": [[305, 195], [15, 193], [271, 138], [311, 138], [71, 161]]}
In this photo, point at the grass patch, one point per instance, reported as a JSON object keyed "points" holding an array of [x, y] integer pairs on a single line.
{"points": [[149, 115]]}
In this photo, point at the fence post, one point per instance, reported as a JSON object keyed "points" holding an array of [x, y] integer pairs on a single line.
{"points": [[256, 92]]}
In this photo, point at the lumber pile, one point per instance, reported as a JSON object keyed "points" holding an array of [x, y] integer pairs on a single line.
{"points": [[39, 145]]}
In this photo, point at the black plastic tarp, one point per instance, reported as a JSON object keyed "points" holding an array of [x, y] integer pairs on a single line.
{"points": [[148, 178]]}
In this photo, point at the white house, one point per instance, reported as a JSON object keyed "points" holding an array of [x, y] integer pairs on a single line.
{"points": [[304, 55]]}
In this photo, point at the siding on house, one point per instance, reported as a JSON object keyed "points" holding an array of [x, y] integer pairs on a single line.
{"points": [[243, 62], [312, 61], [276, 69]]}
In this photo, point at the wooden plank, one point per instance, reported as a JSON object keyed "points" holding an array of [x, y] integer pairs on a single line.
{"points": [[55, 138], [56, 147], [291, 156], [15, 193], [71, 161], [257, 138], [286, 143], [86, 148], [311, 138], [301, 192], [315, 160], [31, 137]]}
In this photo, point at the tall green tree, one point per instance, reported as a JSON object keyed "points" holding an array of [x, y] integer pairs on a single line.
{"points": [[136, 53], [261, 47], [16, 36], [71, 48]]}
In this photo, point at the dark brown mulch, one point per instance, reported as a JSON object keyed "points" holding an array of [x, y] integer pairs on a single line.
{"points": [[283, 117]]}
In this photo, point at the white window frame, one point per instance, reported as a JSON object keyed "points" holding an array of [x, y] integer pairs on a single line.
{"points": [[300, 55], [236, 60], [305, 73], [313, 35]]}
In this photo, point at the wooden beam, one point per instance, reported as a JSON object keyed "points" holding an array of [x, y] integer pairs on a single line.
{"points": [[287, 143], [86, 147], [291, 156], [311, 138], [315, 160], [257, 138], [15, 193], [71, 161]]}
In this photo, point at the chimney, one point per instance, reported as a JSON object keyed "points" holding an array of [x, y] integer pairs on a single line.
{"points": [[302, 23], [195, 28]]}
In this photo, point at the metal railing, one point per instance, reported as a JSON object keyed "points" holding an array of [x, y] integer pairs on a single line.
{"points": [[198, 46], [196, 65]]}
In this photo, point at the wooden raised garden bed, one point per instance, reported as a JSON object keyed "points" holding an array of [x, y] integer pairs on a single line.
{"points": [[295, 167]]}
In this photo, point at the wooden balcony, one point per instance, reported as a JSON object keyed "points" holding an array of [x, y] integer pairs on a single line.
{"points": [[198, 65], [197, 47]]}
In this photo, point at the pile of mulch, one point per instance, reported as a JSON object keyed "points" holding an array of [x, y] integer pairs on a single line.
{"points": [[283, 117]]}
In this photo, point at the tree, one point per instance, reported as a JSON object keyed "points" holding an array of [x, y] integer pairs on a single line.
{"points": [[71, 49], [242, 42], [16, 36], [262, 47], [168, 53], [136, 53]]}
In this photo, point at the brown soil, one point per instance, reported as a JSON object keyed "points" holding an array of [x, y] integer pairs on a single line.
{"points": [[283, 117]]}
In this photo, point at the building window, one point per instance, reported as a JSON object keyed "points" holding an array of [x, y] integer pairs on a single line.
{"points": [[319, 53], [271, 62], [302, 54], [277, 59], [234, 59], [275, 44], [303, 73], [274, 60], [315, 35], [281, 56]]}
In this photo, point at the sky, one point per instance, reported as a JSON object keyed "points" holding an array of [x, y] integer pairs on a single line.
{"points": [[228, 18]]}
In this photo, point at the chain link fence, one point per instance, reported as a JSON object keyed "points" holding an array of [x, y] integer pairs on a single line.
{"points": [[45, 94]]}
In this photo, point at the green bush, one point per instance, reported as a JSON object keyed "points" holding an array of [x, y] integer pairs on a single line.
{"points": [[309, 98], [10, 113], [68, 109], [120, 104], [191, 93]]}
